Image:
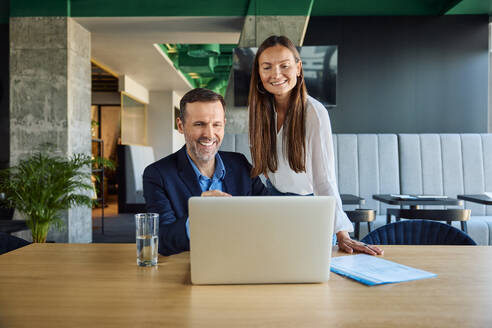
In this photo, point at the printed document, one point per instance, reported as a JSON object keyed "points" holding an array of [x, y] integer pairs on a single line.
{"points": [[372, 270]]}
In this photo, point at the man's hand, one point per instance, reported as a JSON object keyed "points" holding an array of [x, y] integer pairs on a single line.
{"points": [[348, 245], [215, 193]]}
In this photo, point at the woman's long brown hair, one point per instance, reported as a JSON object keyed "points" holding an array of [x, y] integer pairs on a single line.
{"points": [[262, 128]]}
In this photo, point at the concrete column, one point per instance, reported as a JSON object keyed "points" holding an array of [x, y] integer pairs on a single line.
{"points": [[255, 30], [4, 95], [50, 99]]}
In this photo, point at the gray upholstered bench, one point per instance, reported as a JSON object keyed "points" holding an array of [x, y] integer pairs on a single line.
{"points": [[367, 164], [441, 164], [450, 164]]}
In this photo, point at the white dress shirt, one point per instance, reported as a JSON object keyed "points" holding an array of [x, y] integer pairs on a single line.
{"points": [[319, 178]]}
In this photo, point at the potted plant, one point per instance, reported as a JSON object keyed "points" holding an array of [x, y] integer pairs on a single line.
{"points": [[94, 126], [99, 163], [41, 186]]}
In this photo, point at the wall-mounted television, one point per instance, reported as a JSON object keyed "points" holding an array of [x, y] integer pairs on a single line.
{"points": [[320, 64]]}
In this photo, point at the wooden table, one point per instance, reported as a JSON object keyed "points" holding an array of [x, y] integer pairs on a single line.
{"points": [[100, 285], [480, 199]]}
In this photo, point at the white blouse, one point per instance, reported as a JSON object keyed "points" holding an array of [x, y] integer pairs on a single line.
{"points": [[319, 178]]}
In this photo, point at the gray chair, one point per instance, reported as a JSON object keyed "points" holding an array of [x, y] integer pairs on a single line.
{"points": [[361, 215]]}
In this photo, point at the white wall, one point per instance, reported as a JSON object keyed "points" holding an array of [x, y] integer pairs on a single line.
{"points": [[135, 89], [160, 115], [133, 122], [160, 124]]}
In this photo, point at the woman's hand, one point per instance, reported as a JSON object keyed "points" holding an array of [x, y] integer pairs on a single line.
{"points": [[349, 245]]}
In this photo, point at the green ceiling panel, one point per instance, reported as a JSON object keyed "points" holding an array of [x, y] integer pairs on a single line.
{"points": [[144, 8], [4, 11], [472, 7], [31, 8], [209, 72], [203, 50], [128, 8], [280, 7], [189, 64], [379, 7], [227, 48], [222, 69], [225, 59]]}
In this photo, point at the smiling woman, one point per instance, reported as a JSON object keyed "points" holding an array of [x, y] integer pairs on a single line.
{"points": [[290, 133], [279, 70], [277, 95]]}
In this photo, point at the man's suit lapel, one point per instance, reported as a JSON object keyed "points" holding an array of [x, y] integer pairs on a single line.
{"points": [[228, 184], [187, 174]]}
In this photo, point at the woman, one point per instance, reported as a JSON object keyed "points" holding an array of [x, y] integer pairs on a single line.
{"points": [[290, 133]]}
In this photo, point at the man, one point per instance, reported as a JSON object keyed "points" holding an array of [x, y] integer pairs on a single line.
{"points": [[197, 169]]}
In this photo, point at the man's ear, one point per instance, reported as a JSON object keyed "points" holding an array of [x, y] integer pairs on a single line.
{"points": [[180, 124]]}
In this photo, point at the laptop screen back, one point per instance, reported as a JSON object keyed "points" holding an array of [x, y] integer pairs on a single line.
{"points": [[260, 239]]}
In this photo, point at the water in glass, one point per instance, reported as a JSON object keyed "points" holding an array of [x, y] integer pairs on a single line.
{"points": [[147, 246]]}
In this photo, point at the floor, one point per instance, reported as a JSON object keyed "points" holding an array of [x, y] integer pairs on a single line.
{"points": [[118, 228]]}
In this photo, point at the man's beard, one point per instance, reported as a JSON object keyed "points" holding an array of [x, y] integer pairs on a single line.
{"points": [[194, 148]]}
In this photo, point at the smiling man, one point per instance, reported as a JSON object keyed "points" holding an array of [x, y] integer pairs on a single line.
{"points": [[197, 169]]}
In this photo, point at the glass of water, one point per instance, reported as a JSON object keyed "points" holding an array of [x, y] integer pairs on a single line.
{"points": [[147, 225]]}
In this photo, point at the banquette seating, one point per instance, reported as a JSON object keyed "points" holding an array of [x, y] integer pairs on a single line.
{"points": [[440, 164], [132, 161]]}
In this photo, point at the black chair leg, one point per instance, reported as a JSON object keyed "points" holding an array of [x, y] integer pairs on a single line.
{"points": [[357, 230], [464, 226], [388, 218], [369, 227]]}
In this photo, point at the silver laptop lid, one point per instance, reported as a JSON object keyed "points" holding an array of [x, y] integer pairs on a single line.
{"points": [[260, 239]]}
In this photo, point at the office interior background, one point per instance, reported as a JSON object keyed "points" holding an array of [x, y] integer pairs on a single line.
{"points": [[406, 66]]}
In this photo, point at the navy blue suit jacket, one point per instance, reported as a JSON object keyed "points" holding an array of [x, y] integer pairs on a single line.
{"points": [[171, 181]]}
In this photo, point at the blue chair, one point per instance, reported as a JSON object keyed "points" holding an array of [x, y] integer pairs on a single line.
{"points": [[9, 243], [418, 232]]}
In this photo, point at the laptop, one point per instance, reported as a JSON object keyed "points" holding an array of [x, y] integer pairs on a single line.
{"points": [[253, 240]]}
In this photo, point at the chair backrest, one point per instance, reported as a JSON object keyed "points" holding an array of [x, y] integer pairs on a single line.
{"points": [[137, 158], [236, 142], [9, 243], [418, 232], [447, 164], [367, 164]]}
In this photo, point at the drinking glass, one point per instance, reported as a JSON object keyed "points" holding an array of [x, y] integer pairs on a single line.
{"points": [[147, 233]]}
